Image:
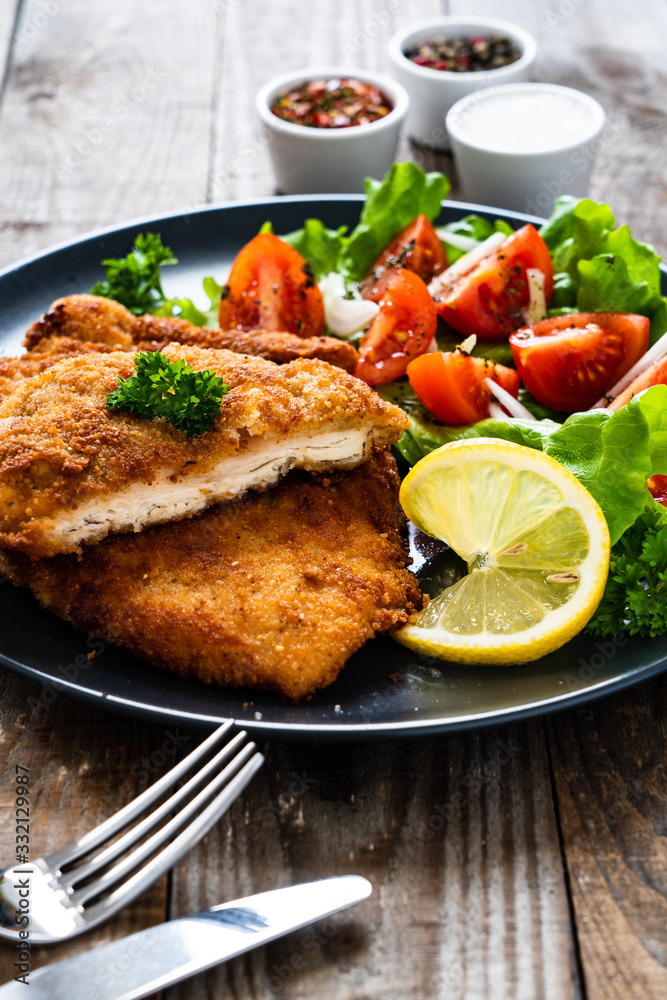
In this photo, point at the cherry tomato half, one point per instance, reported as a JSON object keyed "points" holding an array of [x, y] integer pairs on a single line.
{"points": [[658, 489], [451, 385], [271, 287], [655, 375], [402, 330], [417, 248], [569, 362], [488, 299]]}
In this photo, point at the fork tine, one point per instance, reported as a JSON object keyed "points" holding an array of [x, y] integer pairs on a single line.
{"points": [[133, 809], [128, 864], [135, 833], [171, 854]]}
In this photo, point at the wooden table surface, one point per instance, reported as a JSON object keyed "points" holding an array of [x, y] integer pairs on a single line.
{"points": [[546, 875]]}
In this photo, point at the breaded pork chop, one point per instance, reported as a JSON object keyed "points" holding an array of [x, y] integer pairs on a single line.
{"points": [[71, 471], [93, 319], [274, 591]]}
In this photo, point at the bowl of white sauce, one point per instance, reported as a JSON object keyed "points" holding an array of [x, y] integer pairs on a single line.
{"points": [[521, 145]]}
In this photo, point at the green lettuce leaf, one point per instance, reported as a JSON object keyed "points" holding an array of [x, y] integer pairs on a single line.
{"points": [[599, 269], [611, 453], [390, 205], [320, 246]]}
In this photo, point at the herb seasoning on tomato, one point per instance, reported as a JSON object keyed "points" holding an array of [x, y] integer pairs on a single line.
{"points": [[334, 103], [465, 55]]}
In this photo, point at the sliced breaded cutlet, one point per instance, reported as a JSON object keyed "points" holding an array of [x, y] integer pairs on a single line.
{"points": [[93, 319], [274, 591], [71, 471]]}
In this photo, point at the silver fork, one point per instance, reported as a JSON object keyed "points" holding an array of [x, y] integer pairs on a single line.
{"points": [[67, 892]]}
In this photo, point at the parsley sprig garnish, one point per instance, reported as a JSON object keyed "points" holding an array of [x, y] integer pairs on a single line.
{"points": [[635, 597], [187, 399], [134, 280]]}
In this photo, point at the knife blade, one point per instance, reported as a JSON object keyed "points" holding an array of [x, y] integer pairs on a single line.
{"points": [[153, 959]]}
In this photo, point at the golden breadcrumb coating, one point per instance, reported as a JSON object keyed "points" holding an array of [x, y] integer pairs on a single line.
{"points": [[14, 371], [93, 319], [274, 591], [71, 471]]}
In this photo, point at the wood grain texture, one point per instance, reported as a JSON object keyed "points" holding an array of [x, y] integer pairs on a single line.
{"points": [[84, 765], [106, 116], [610, 765], [8, 13], [458, 838]]}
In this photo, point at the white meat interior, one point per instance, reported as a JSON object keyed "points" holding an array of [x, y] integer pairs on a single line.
{"points": [[259, 465]]}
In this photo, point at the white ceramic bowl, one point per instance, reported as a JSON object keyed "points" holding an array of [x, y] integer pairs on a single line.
{"points": [[309, 160], [434, 91], [522, 145]]}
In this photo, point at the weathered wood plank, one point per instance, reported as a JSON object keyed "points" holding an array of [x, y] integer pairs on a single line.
{"points": [[8, 12], [106, 115], [84, 765], [458, 838], [610, 766]]}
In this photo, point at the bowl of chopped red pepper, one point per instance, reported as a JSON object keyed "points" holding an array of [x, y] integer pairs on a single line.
{"points": [[441, 60], [328, 128]]}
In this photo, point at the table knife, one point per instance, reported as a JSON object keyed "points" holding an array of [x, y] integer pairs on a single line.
{"points": [[151, 960]]}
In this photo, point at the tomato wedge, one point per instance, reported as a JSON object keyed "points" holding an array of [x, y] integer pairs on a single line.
{"points": [[402, 330], [658, 488], [488, 299], [417, 248], [451, 385], [272, 287], [569, 362], [655, 375]]}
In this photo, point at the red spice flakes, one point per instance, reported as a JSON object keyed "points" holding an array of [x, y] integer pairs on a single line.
{"points": [[334, 103]]}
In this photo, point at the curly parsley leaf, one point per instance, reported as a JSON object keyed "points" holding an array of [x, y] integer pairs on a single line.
{"points": [[635, 597], [187, 399], [134, 280]]}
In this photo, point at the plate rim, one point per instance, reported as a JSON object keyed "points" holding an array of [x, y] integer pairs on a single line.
{"points": [[290, 730]]}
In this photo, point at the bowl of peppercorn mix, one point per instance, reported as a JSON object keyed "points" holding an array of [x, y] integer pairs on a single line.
{"points": [[328, 128], [441, 60]]}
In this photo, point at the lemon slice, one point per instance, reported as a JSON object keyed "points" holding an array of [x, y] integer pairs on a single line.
{"points": [[535, 541]]}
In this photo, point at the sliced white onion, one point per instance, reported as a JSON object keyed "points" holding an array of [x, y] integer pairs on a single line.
{"points": [[344, 317], [457, 240], [433, 347], [512, 405], [537, 304], [466, 263], [653, 354], [496, 411]]}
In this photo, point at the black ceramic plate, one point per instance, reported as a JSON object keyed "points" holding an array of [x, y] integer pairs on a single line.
{"points": [[385, 690]]}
